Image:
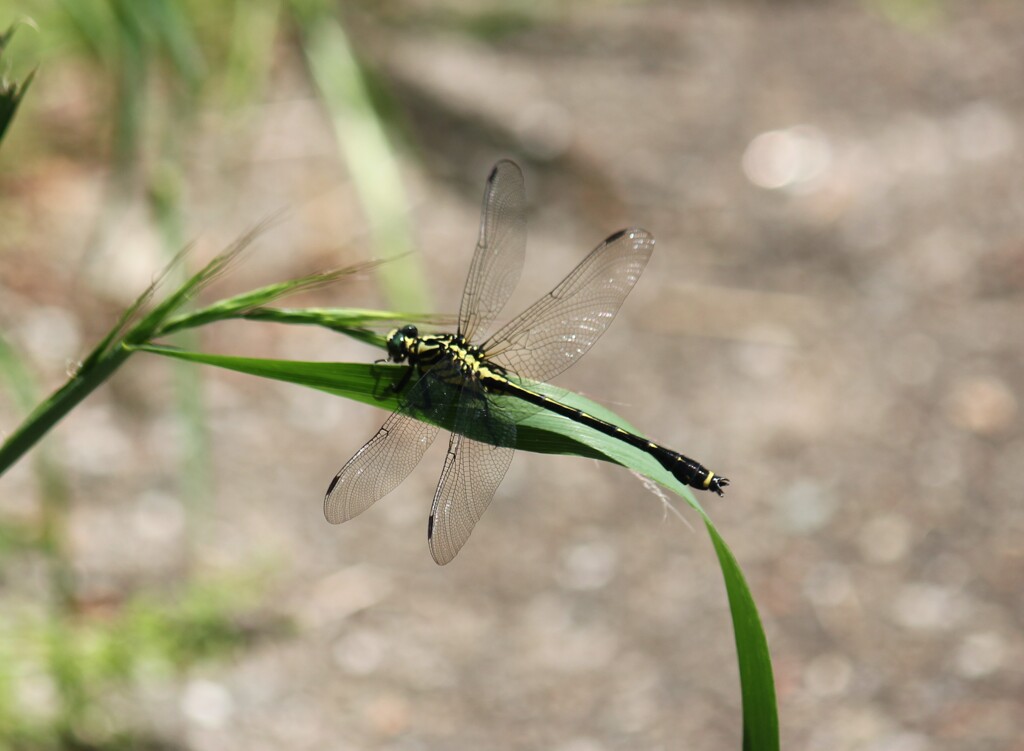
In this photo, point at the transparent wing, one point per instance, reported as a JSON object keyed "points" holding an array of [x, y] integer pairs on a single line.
{"points": [[471, 475], [389, 457], [472, 472], [378, 467], [558, 329], [498, 260]]}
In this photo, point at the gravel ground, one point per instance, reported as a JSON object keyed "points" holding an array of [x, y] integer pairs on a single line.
{"points": [[832, 318]]}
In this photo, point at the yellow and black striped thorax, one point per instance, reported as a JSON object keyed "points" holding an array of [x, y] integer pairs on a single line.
{"points": [[448, 356]]}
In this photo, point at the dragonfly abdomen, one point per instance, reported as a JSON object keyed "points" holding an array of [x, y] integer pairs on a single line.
{"points": [[683, 468]]}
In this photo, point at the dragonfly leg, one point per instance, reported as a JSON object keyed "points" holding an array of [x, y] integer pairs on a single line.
{"points": [[396, 388]]}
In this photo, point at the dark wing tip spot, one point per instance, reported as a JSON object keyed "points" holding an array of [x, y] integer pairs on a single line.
{"points": [[637, 234], [333, 483], [430, 527]]}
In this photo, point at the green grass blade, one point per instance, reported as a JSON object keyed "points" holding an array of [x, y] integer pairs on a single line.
{"points": [[91, 27], [254, 25], [757, 684], [240, 305], [538, 430], [361, 382], [174, 27], [359, 323]]}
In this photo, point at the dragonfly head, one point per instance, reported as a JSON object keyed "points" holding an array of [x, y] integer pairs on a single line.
{"points": [[399, 342]]}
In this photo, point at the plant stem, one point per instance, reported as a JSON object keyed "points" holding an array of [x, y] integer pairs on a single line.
{"points": [[62, 401]]}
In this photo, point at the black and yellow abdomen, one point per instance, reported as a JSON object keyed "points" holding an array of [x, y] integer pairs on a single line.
{"points": [[683, 468]]}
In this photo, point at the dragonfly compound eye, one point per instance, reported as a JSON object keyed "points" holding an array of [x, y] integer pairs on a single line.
{"points": [[398, 343]]}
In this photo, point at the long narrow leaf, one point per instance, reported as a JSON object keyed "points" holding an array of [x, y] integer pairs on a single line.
{"points": [[539, 431], [760, 716], [240, 305]]}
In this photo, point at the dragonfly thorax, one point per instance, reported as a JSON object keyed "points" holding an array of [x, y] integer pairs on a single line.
{"points": [[449, 352]]}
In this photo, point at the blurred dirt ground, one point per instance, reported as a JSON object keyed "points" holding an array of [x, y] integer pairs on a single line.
{"points": [[832, 318]]}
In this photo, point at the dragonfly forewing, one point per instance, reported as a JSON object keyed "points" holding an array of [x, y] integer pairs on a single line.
{"points": [[562, 326], [501, 248]]}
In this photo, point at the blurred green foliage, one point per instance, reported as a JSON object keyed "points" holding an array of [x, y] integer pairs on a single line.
{"points": [[57, 674], [911, 14]]}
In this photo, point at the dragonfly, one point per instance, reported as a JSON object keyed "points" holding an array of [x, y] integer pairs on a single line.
{"points": [[449, 376]]}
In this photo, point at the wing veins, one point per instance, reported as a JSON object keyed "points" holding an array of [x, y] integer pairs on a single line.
{"points": [[562, 326], [378, 467], [501, 247]]}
